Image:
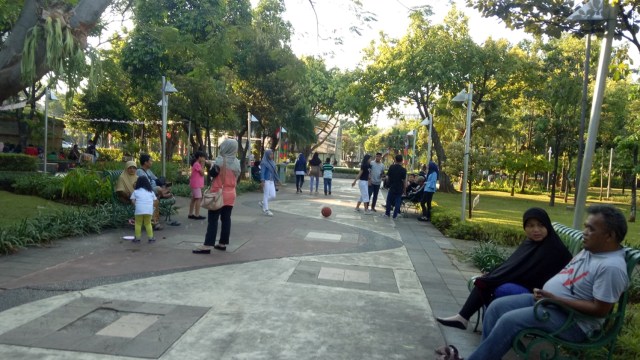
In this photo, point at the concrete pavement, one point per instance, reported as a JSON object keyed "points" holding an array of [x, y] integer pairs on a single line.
{"points": [[292, 286]]}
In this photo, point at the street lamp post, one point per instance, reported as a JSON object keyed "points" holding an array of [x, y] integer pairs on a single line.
{"points": [[167, 88], [428, 121], [461, 98], [413, 133], [596, 108], [47, 96]]}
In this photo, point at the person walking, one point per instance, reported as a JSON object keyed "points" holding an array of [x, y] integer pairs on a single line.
{"points": [[377, 173], [429, 191], [144, 200], [300, 169], [225, 172], [314, 171], [363, 184], [397, 176], [327, 176], [268, 180], [196, 183]]}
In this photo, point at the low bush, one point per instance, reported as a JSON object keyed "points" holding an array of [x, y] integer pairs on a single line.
{"points": [[443, 220], [107, 154], [8, 178], [181, 190], [86, 187], [39, 184], [18, 162], [466, 231], [628, 346], [59, 224], [487, 256]]}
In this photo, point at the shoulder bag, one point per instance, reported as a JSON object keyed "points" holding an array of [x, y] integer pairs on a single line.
{"points": [[212, 200]]}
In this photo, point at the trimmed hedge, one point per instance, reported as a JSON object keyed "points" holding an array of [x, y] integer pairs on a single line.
{"points": [[18, 162]]}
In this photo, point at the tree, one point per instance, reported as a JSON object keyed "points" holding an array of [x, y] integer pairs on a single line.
{"points": [[55, 34]]}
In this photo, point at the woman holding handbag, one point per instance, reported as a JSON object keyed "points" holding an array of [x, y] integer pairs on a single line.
{"points": [[225, 171]]}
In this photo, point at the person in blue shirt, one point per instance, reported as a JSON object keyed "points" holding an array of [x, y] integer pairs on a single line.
{"points": [[429, 190], [268, 180]]}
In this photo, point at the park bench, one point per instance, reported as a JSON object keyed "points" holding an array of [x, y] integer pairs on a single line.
{"points": [[531, 343], [165, 205]]}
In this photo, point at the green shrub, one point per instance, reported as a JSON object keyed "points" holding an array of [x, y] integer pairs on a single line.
{"points": [[181, 190], [245, 186], [63, 223], [18, 162], [487, 256], [443, 220], [86, 187], [8, 178], [107, 154], [628, 346], [466, 231], [503, 235], [35, 184]]}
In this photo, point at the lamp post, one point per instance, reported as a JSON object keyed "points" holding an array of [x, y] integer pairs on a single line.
{"points": [[596, 108], [167, 88], [413, 154], [461, 98], [47, 96], [250, 119], [428, 121]]}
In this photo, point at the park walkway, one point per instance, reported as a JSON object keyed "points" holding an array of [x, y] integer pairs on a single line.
{"points": [[292, 286]]}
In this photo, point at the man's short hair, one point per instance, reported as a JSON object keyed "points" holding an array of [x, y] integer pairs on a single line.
{"points": [[378, 154], [398, 158], [614, 219], [144, 158]]}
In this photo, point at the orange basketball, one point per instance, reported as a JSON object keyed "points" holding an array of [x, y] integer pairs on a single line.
{"points": [[326, 211]]}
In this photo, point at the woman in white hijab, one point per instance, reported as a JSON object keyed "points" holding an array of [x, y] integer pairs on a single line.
{"points": [[225, 174]]}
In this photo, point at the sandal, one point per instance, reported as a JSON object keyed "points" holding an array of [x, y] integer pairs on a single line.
{"points": [[448, 352], [220, 247]]}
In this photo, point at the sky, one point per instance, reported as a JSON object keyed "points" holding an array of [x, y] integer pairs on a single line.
{"points": [[335, 16]]}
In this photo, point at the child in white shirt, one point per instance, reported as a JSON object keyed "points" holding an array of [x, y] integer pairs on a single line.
{"points": [[144, 199]]}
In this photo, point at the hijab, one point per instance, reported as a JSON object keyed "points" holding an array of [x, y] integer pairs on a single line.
{"points": [[315, 160], [301, 159], [267, 161], [533, 262], [227, 156], [126, 182], [434, 168]]}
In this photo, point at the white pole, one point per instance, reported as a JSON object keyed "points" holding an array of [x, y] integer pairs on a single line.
{"points": [[189, 142], [164, 128], [430, 138], [46, 126], [413, 154], [549, 173], [467, 144], [594, 122], [248, 138], [609, 173]]}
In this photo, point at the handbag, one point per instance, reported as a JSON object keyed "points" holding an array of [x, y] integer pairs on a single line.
{"points": [[212, 200]]}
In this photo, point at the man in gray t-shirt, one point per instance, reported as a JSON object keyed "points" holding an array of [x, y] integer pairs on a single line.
{"points": [[591, 283], [375, 179]]}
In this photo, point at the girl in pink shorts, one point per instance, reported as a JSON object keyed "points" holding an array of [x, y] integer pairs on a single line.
{"points": [[196, 182]]}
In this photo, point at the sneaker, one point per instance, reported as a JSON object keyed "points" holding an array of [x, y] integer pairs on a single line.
{"points": [[136, 241], [268, 213], [152, 240], [260, 203], [329, 192], [368, 212], [356, 210]]}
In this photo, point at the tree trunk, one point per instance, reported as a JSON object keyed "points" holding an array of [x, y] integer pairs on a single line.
{"points": [[556, 156], [83, 18]]}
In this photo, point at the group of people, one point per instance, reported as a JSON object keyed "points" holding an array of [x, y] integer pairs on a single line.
{"points": [[314, 170], [542, 268], [139, 186]]}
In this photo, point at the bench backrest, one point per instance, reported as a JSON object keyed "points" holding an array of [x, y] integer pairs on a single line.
{"points": [[571, 237]]}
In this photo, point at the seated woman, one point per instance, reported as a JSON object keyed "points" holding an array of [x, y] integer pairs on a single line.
{"points": [[540, 256], [126, 182]]}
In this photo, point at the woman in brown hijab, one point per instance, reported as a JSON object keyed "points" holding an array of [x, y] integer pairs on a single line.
{"points": [[126, 182]]}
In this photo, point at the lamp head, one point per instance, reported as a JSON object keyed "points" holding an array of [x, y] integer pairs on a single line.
{"points": [[589, 12], [169, 88], [425, 122], [461, 97]]}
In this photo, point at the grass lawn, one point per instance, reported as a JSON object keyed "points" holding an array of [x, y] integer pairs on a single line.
{"points": [[14, 208], [500, 208]]}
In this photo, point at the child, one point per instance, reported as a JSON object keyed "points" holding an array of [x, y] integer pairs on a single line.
{"points": [[196, 183], [144, 200], [327, 175]]}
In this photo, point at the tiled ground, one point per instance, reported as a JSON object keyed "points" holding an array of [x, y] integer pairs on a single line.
{"points": [[345, 276], [126, 328]]}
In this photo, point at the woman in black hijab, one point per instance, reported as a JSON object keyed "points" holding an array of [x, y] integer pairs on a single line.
{"points": [[535, 261]]}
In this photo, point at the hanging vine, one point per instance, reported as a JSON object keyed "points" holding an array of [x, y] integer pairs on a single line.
{"points": [[63, 56]]}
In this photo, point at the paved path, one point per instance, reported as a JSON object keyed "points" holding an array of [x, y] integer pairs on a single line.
{"points": [[292, 286]]}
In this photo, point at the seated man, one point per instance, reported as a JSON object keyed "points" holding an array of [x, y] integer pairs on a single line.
{"points": [[591, 283], [162, 192]]}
